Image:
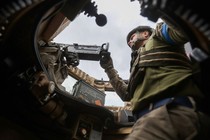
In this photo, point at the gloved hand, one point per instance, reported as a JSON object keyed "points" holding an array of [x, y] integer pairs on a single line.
{"points": [[106, 60]]}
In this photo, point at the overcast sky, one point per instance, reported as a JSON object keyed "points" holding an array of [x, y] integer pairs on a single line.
{"points": [[122, 16]]}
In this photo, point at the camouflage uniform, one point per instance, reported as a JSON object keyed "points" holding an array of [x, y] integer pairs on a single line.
{"points": [[149, 83]]}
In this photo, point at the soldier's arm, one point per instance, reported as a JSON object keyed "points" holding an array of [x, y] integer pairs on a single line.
{"points": [[116, 81], [170, 32], [118, 84]]}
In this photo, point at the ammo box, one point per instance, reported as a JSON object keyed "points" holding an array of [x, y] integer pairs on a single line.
{"points": [[88, 93]]}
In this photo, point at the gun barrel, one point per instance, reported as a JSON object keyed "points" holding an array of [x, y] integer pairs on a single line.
{"points": [[84, 52], [88, 52]]}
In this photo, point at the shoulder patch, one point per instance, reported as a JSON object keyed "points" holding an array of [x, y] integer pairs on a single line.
{"points": [[166, 35]]}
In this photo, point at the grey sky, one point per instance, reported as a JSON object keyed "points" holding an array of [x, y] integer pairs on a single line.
{"points": [[122, 16]]}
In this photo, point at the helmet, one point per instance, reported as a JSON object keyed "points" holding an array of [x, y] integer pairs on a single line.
{"points": [[140, 29]]}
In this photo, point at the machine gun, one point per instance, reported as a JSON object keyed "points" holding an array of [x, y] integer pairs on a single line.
{"points": [[72, 53]]}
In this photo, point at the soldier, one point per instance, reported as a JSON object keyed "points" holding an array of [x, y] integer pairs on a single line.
{"points": [[161, 89]]}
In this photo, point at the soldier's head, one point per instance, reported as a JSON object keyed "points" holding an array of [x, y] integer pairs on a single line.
{"points": [[138, 35]]}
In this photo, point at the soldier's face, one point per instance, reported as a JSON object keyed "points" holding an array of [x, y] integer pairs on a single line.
{"points": [[133, 39], [137, 40]]}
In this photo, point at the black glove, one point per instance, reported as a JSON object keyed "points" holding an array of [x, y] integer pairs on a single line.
{"points": [[106, 60]]}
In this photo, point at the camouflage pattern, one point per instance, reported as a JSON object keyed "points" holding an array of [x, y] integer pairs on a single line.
{"points": [[118, 84]]}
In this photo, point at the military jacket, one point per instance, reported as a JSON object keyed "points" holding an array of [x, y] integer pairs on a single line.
{"points": [[156, 82], [153, 81]]}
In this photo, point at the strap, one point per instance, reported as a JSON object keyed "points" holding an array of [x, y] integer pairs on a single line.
{"points": [[181, 100], [164, 57]]}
